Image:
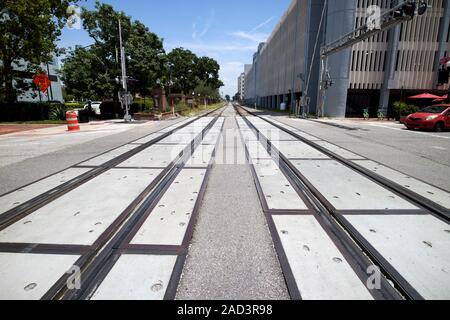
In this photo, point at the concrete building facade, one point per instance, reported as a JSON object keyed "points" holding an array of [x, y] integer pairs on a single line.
{"points": [[241, 86], [372, 74], [54, 92]]}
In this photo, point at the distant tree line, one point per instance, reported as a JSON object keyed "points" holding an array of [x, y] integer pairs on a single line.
{"points": [[89, 73], [30, 32]]}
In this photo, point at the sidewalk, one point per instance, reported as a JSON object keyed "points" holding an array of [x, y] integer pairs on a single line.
{"points": [[14, 128]]}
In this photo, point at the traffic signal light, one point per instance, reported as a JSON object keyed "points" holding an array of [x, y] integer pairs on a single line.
{"points": [[422, 8], [409, 9]]}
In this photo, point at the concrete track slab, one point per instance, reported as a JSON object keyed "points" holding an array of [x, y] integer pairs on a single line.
{"points": [[137, 277], [179, 138], [12, 200], [29, 276], [339, 151], [437, 195], [156, 156], [320, 270], [149, 138], [346, 189], [257, 151], [298, 150], [169, 220], [417, 246], [306, 135], [278, 192], [104, 158], [82, 215], [201, 156], [211, 137], [176, 126], [249, 135], [191, 130], [277, 135]]}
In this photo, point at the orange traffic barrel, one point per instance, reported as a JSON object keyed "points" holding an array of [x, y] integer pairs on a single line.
{"points": [[72, 121]]}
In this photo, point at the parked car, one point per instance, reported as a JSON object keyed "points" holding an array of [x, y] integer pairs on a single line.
{"points": [[95, 105], [435, 118]]}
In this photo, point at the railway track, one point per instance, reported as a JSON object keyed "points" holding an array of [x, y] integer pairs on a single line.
{"points": [[143, 173], [363, 234]]}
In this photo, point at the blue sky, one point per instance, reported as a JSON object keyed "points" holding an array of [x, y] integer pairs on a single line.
{"points": [[226, 30]]}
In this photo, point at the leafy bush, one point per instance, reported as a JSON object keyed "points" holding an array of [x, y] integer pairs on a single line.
{"points": [[403, 109], [57, 112]]}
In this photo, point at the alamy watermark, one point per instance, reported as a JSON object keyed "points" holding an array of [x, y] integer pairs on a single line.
{"points": [[373, 17], [73, 282], [73, 17]]}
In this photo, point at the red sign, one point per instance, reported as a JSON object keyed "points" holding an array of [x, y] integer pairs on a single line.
{"points": [[42, 81]]}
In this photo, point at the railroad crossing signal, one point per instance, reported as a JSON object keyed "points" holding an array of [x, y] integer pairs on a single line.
{"points": [[126, 98]]}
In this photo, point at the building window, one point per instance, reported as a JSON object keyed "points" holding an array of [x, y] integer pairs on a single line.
{"points": [[396, 61]]}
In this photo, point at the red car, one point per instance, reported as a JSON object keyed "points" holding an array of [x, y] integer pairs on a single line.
{"points": [[435, 118]]}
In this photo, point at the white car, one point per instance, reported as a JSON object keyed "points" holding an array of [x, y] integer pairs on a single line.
{"points": [[95, 107]]}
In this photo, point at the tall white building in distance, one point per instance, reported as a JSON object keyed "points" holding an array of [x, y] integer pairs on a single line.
{"points": [[241, 86]]}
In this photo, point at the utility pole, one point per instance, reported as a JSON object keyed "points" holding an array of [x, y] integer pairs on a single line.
{"points": [[125, 97]]}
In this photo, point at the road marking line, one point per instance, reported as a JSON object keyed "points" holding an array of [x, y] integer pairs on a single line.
{"points": [[416, 132]]}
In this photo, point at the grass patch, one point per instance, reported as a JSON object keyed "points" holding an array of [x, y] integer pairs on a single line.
{"points": [[188, 112]]}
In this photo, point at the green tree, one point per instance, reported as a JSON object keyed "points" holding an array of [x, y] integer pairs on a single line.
{"points": [[205, 91], [208, 72], [228, 98], [86, 76], [146, 58], [29, 31], [100, 65], [184, 74]]}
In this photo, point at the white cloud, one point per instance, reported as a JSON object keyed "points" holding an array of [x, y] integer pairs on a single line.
{"points": [[229, 72], [208, 23], [259, 26], [211, 48], [255, 37]]}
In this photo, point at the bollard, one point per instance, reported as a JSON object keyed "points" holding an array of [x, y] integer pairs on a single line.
{"points": [[72, 121]]}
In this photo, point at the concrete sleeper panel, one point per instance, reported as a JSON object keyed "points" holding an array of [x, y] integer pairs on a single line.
{"points": [[417, 246], [137, 277], [432, 193], [104, 158], [20, 196], [29, 276], [149, 138], [320, 270], [82, 215], [298, 150], [339, 151], [201, 156], [167, 223], [156, 156], [347, 189], [278, 192]]}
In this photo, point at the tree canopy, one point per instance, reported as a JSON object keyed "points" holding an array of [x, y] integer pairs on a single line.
{"points": [[29, 31], [146, 60]]}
